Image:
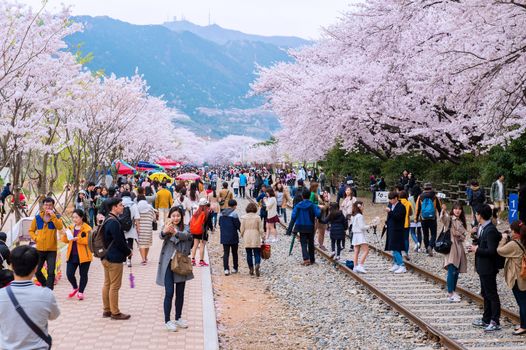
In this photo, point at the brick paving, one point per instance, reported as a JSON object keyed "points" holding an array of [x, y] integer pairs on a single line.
{"points": [[81, 326]]}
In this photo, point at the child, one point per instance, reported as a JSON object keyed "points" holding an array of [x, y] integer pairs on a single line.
{"points": [[358, 240], [338, 226]]}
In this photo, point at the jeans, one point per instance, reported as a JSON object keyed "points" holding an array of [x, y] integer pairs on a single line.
{"points": [[416, 234], [397, 257], [226, 255], [307, 246], [50, 258], [112, 284], [292, 191], [214, 219], [236, 191], [427, 226], [406, 240], [336, 243], [452, 278], [488, 286], [284, 212], [242, 191], [91, 217], [253, 256], [169, 295], [71, 269], [520, 296]]}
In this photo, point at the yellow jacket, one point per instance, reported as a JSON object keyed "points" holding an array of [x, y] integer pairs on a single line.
{"points": [[85, 254], [163, 199], [408, 211], [45, 233]]}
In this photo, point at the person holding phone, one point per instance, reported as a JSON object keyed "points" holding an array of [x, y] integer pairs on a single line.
{"points": [[43, 231]]}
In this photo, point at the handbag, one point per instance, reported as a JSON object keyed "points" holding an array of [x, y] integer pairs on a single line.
{"points": [[27, 320], [181, 264], [155, 226], [523, 261], [265, 251], [443, 242]]}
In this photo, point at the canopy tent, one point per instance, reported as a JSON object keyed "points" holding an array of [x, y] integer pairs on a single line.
{"points": [[168, 163], [145, 166], [123, 168]]}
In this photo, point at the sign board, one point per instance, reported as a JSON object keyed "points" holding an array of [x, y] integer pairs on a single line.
{"points": [[381, 197], [513, 204], [441, 195]]}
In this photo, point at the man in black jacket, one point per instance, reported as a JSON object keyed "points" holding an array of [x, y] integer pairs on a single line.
{"points": [[487, 264], [116, 255]]}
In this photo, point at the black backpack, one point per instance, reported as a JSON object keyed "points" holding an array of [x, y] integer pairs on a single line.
{"points": [[126, 219], [443, 242]]}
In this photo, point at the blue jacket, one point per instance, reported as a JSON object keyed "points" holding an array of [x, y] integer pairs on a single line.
{"points": [[303, 215], [229, 225], [113, 233], [242, 180]]}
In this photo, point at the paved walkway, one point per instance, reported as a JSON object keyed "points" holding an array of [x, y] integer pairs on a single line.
{"points": [[81, 326]]}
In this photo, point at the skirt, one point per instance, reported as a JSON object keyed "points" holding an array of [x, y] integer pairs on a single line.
{"points": [[273, 220], [358, 238]]}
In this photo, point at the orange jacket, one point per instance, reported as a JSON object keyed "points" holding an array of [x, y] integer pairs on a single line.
{"points": [[45, 233], [85, 254]]}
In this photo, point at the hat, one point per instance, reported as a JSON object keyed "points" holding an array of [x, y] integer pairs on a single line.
{"points": [[428, 186], [203, 201]]}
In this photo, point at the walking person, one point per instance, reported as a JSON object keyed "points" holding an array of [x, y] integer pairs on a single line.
{"points": [[176, 238], [337, 228], [199, 223], [131, 216], [302, 220], [455, 262], [359, 240], [242, 184], [78, 255], [408, 212], [271, 206], [346, 207], [395, 232], [427, 209], [224, 196], [415, 227], [235, 185], [43, 231], [117, 253], [487, 264], [476, 199], [498, 195], [229, 226], [252, 232], [147, 218], [39, 304], [163, 202], [513, 248]]}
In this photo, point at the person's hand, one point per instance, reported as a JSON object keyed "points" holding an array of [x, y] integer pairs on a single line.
{"points": [[131, 254], [472, 248], [444, 207], [474, 229], [387, 209], [74, 239]]}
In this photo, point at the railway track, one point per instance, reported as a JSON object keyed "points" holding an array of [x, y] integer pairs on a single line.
{"points": [[420, 296]]}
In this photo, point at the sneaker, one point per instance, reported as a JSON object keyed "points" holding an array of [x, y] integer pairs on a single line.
{"points": [[492, 327], [202, 263], [181, 323], [331, 255], [357, 269], [80, 296], [193, 262], [453, 298], [73, 292], [234, 270], [417, 247], [479, 323], [394, 268], [227, 272], [171, 326], [401, 269], [337, 258]]}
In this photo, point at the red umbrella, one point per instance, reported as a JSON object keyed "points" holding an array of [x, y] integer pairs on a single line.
{"points": [[187, 177]]}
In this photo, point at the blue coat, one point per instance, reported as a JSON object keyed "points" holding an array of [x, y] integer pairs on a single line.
{"points": [[395, 228], [229, 226], [303, 217]]}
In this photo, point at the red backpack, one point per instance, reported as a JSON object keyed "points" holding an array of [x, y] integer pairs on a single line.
{"points": [[197, 223]]}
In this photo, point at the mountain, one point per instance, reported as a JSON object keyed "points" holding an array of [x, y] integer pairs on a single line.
{"points": [[222, 35], [206, 80]]}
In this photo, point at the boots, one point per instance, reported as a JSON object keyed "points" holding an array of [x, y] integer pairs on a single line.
{"points": [[251, 270], [257, 270]]}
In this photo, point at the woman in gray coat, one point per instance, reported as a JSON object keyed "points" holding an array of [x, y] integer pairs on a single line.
{"points": [[176, 237]]}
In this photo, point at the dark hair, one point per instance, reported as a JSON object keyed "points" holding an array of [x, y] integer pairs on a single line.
{"points": [[300, 182], [271, 192], [232, 203], [225, 184], [356, 208], [48, 200], [82, 214], [193, 191], [179, 209], [182, 193], [485, 212], [111, 192], [141, 197], [313, 186], [305, 194], [348, 187], [462, 216], [334, 211], [516, 226], [91, 183], [140, 191], [112, 202], [403, 194], [24, 259], [126, 194], [393, 195], [252, 208]]}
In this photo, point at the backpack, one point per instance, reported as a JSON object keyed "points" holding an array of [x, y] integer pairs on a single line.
{"points": [[126, 219], [197, 224], [96, 241], [428, 209]]}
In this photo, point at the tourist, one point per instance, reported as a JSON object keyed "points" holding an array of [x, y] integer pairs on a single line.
{"points": [[92, 199], [43, 231], [82, 201], [427, 207], [163, 202], [513, 248], [235, 185], [78, 254], [337, 226], [224, 196], [117, 253], [487, 264], [252, 233], [214, 206], [39, 304], [272, 219], [147, 218], [131, 214], [359, 240], [395, 232], [229, 226], [408, 212], [184, 202], [242, 184], [476, 199], [455, 262], [302, 220], [176, 238], [283, 199], [346, 207], [498, 195], [199, 223], [5, 254], [415, 227]]}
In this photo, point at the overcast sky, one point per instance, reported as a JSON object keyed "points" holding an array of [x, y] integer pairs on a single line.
{"points": [[266, 17]]}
